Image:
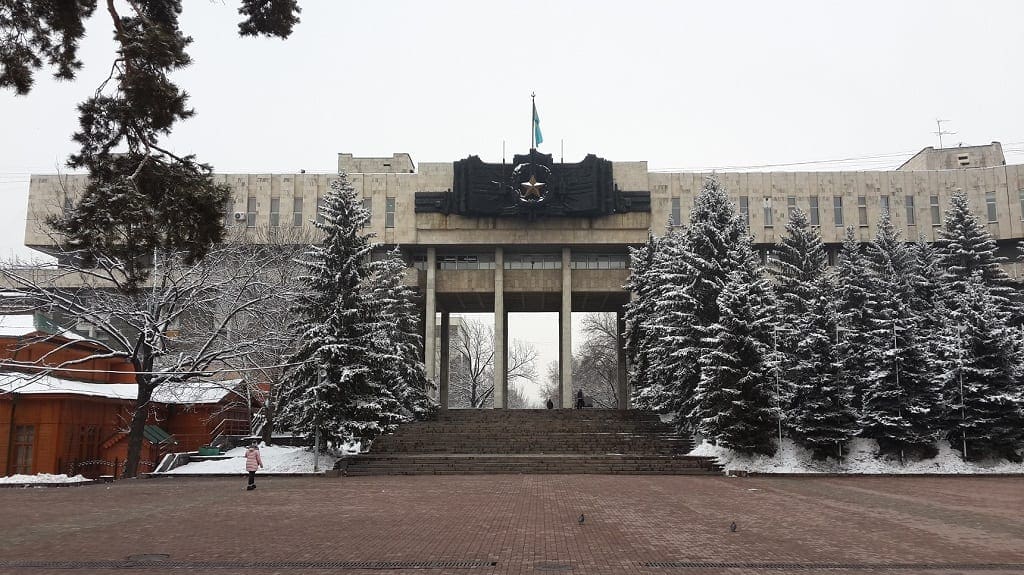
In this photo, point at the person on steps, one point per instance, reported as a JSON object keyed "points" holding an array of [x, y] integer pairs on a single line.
{"points": [[550, 404], [252, 463], [579, 399]]}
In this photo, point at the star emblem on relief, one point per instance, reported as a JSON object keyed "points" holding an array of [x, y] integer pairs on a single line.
{"points": [[532, 188]]}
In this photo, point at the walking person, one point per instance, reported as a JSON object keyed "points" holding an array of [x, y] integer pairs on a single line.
{"points": [[579, 399], [252, 463]]}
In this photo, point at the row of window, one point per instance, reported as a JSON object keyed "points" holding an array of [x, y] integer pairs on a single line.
{"points": [[585, 261], [297, 219], [814, 214]]}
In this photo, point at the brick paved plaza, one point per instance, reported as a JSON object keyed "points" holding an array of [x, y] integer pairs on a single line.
{"points": [[524, 523]]}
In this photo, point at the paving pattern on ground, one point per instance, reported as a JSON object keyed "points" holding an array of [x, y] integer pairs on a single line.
{"points": [[518, 524]]}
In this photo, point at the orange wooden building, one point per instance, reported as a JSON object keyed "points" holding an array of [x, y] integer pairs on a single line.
{"points": [[75, 422]]}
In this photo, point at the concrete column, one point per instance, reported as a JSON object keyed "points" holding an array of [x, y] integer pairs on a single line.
{"points": [[622, 390], [446, 333], [500, 332], [565, 331], [430, 303]]}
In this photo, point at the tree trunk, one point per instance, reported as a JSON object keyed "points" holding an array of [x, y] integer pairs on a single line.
{"points": [[268, 414], [144, 380], [138, 426]]}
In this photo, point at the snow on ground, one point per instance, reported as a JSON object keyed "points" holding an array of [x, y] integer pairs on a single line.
{"points": [[42, 478], [276, 459], [862, 458]]}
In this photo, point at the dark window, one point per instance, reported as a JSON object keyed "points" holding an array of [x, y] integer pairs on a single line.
{"points": [[884, 202], [389, 213], [745, 209], [990, 206], [297, 212], [275, 212], [790, 206], [813, 213], [250, 212], [676, 212], [767, 213], [319, 210], [368, 206], [911, 213], [933, 206], [837, 209], [862, 211]]}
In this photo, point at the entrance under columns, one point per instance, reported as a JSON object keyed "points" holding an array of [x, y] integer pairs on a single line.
{"points": [[469, 382]]}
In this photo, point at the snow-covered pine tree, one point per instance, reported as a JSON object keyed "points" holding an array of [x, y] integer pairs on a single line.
{"points": [[853, 292], [688, 304], [327, 393], [734, 401], [670, 328], [966, 247], [901, 402], [820, 415], [798, 264], [982, 380], [395, 340], [638, 314]]}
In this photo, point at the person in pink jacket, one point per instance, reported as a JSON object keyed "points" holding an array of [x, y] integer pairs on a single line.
{"points": [[252, 463]]}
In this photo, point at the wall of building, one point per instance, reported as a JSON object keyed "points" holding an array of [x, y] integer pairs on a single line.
{"points": [[956, 158], [56, 352], [66, 430]]}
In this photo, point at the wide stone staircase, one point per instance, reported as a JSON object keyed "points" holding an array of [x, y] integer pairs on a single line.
{"points": [[464, 441]]}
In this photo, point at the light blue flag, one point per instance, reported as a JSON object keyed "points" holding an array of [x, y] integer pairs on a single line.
{"points": [[537, 137]]}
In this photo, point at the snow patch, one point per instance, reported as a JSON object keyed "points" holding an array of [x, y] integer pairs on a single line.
{"points": [[276, 459], [862, 458], [41, 478]]}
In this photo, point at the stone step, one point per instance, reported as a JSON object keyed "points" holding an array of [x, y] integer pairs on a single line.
{"points": [[532, 441]]}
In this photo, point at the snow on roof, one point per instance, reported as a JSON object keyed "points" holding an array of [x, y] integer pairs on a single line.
{"points": [[28, 384], [193, 392], [188, 393], [17, 325], [22, 325]]}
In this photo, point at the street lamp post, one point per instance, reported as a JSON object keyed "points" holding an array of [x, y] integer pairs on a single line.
{"points": [[778, 385]]}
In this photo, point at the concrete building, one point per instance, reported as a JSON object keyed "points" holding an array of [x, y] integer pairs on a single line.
{"points": [[487, 238]]}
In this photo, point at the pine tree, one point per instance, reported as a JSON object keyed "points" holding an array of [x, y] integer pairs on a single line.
{"points": [[853, 293], [820, 415], [798, 265], [670, 328], [395, 341], [982, 380], [639, 315], [734, 402], [900, 403], [141, 197], [687, 306], [965, 248], [332, 391]]}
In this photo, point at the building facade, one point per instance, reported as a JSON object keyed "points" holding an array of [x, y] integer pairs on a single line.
{"points": [[534, 235]]}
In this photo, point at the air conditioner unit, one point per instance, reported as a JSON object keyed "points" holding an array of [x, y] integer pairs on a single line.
{"points": [[239, 216]]}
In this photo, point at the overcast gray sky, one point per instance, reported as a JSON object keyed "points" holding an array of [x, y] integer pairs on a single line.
{"points": [[683, 85]]}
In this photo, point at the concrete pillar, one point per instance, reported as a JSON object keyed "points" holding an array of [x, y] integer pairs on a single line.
{"points": [[430, 303], [446, 333], [500, 331], [622, 390], [565, 331]]}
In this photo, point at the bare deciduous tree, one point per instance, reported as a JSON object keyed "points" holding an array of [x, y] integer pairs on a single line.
{"points": [[594, 364], [185, 323], [472, 368]]}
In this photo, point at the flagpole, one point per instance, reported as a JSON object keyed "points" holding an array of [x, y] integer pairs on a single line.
{"points": [[533, 113]]}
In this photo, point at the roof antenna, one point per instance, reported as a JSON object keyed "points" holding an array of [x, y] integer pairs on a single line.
{"points": [[941, 132]]}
